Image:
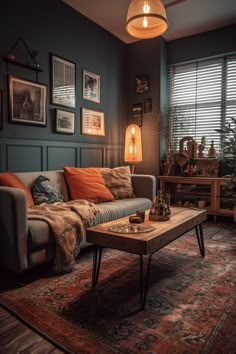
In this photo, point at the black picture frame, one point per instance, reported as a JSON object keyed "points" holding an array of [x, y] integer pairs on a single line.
{"points": [[91, 86], [64, 122], [147, 106], [141, 84], [27, 102], [63, 82], [137, 114]]}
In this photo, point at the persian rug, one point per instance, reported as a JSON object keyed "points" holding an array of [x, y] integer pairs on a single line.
{"points": [[190, 305]]}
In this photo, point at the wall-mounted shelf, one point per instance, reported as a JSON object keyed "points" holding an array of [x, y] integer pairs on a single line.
{"points": [[27, 66]]}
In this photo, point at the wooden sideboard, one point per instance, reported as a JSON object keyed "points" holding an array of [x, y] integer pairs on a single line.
{"points": [[202, 192]]}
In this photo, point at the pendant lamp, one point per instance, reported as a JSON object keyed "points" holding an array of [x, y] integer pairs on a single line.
{"points": [[146, 19], [133, 145]]}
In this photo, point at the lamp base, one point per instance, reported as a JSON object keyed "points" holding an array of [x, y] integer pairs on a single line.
{"points": [[132, 169]]}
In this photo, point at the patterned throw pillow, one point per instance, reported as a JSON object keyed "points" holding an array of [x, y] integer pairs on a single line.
{"points": [[44, 191], [118, 181]]}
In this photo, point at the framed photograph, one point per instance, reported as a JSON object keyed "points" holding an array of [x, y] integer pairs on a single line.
{"points": [[92, 122], [27, 102], [147, 105], [62, 82], [142, 84], [137, 114], [91, 86], [1, 110], [64, 122]]}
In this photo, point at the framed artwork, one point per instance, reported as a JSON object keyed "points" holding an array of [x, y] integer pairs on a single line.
{"points": [[1, 110], [137, 114], [64, 122], [147, 105], [27, 102], [62, 82], [142, 84], [92, 122], [91, 86]]}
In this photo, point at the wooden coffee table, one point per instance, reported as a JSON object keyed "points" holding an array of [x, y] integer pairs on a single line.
{"points": [[164, 232]]}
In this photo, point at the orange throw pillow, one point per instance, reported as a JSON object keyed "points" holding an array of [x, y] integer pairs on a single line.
{"points": [[9, 179], [87, 183]]}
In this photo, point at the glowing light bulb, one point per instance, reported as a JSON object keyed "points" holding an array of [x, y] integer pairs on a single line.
{"points": [[133, 130], [145, 22], [146, 8], [131, 149]]}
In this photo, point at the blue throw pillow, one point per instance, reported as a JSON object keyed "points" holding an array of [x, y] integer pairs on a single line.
{"points": [[44, 191]]}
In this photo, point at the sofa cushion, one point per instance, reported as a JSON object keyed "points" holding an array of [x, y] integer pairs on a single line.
{"points": [[9, 179], [40, 234], [118, 181], [120, 208], [87, 183], [44, 191]]}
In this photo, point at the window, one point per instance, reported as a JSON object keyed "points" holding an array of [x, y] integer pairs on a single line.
{"points": [[202, 96]]}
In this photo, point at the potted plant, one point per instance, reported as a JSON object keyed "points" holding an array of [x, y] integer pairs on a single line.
{"points": [[228, 132], [167, 122]]}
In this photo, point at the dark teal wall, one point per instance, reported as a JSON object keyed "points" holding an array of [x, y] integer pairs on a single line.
{"points": [[51, 26], [204, 45], [148, 58]]}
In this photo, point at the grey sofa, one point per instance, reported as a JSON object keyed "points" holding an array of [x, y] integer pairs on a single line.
{"points": [[25, 244]]}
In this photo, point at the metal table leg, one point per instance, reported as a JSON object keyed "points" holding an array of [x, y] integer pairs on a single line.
{"points": [[200, 239], [96, 265], [144, 279]]}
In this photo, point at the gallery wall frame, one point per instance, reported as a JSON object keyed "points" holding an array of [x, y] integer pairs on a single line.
{"points": [[137, 114], [63, 82], [27, 102], [147, 105], [92, 122], [64, 122], [141, 84], [91, 86]]}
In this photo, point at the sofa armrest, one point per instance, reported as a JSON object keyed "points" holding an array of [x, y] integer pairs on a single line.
{"points": [[144, 186], [13, 229]]}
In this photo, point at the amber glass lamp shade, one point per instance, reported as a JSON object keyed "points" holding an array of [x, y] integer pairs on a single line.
{"points": [[146, 19], [133, 145]]}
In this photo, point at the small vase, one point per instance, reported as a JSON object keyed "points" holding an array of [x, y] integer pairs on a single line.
{"points": [[212, 150]]}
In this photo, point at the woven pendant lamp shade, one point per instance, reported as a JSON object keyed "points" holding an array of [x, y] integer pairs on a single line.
{"points": [[146, 19]]}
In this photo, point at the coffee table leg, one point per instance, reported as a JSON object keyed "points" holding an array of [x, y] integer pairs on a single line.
{"points": [[200, 238], [144, 279], [96, 265]]}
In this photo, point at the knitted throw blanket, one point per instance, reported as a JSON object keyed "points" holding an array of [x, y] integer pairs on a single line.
{"points": [[68, 222]]}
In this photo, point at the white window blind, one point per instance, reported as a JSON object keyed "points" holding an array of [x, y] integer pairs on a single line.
{"points": [[202, 95]]}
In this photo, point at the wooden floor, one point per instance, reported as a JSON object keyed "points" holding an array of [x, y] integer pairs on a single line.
{"points": [[16, 337]]}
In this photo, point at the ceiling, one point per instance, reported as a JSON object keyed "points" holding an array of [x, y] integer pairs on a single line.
{"points": [[185, 17]]}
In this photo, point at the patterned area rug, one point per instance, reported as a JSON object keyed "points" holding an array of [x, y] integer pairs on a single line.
{"points": [[190, 306]]}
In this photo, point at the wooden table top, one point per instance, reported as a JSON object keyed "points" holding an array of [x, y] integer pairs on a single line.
{"points": [[181, 221]]}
